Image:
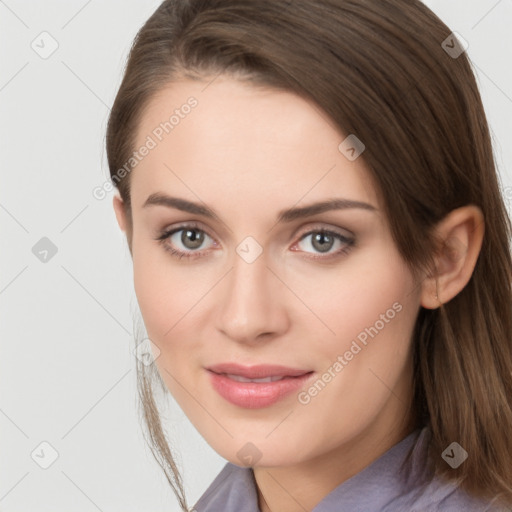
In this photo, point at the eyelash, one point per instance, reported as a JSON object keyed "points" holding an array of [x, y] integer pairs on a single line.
{"points": [[164, 235]]}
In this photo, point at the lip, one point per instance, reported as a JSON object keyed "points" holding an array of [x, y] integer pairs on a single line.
{"points": [[256, 395], [259, 371]]}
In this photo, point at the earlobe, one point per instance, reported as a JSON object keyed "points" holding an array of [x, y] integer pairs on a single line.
{"points": [[120, 212], [461, 234]]}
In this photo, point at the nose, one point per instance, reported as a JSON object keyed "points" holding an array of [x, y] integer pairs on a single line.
{"points": [[252, 304]]}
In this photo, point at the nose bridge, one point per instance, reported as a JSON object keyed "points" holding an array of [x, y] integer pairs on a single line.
{"points": [[250, 304], [248, 283]]}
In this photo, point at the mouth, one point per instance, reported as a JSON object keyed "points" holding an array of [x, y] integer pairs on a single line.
{"points": [[257, 373], [257, 391], [239, 378]]}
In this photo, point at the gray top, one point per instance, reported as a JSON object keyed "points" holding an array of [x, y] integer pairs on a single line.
{"points": [[377, 488]]}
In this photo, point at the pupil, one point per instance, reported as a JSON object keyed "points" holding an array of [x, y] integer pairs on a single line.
{"points": [[192, 237], [322, 237]]}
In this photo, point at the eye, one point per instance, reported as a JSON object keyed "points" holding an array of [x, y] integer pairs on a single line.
{"points": [[324, 240], [184, 242], [190, 237]]}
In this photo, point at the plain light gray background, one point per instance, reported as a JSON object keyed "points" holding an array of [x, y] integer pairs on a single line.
{"points": [[67, 369]]}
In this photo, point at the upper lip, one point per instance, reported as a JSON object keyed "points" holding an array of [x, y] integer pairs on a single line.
{"points": [[258, 371]]}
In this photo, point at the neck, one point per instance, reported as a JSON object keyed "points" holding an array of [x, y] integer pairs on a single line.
{"points": [[302, 486]]}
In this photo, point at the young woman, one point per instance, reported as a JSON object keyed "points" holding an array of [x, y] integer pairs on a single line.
{"points": [[321, 254]]}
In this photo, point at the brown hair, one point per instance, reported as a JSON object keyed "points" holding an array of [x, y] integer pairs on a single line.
{"points": [[380, 70]]}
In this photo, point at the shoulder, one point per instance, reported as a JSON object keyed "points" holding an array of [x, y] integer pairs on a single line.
{"points": [[427, 493], [441, 497]]}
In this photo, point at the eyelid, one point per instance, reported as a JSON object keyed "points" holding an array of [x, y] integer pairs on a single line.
{"points": [[187, 225], [323, 226]]}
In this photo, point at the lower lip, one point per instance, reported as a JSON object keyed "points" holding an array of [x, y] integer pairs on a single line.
{"points": [[254, 395]]}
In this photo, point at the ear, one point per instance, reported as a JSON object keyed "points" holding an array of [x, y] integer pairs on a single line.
{"points": [[461, 233], [120, 212]]}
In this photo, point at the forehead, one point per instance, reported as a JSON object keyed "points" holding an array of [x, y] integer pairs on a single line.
{"points": [[228, 141]]}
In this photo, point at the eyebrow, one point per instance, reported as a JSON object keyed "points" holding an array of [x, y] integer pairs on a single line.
{"points": [[288, 215]]}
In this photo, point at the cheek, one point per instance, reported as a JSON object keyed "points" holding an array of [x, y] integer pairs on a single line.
{"points": [[346, 300], [370, 312], [163, 290], [374, 325], [165, 303], [149, 289], [169, 298]]}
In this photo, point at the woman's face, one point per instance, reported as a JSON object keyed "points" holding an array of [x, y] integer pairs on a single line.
{"points": [[255, 287]]}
